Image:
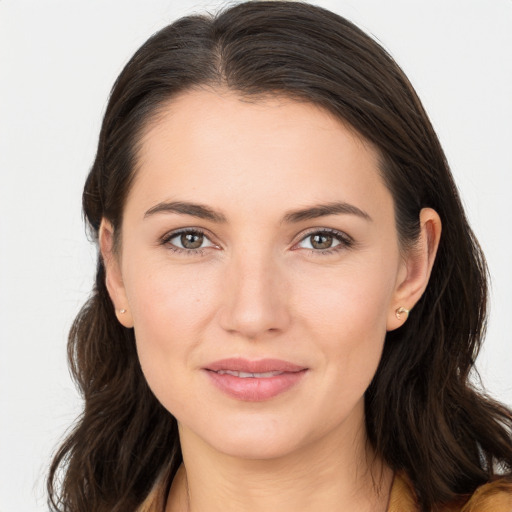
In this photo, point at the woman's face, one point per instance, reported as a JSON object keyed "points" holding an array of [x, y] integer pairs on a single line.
{"points": [[258, 237]]}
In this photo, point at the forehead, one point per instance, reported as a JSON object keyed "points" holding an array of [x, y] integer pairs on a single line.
{"points": [[212, 113], [215, 145]]}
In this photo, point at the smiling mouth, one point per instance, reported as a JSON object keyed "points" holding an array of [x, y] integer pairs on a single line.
{"points": [[254, 381]]}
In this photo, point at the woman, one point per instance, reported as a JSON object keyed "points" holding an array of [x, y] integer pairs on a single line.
{"points": [[289, 300]]}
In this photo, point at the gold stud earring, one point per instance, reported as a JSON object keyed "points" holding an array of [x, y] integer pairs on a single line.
{"points": [[400, 311]]}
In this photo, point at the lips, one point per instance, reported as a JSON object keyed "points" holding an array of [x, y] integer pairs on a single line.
{"points": [[254, 381], [237, 364], [245, 375]]}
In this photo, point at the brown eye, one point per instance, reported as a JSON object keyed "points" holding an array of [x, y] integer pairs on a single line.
{"points": [[326, 240], [321, 241], [191, 240], [187, 240]]}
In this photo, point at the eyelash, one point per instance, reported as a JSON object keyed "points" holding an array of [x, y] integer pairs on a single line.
{"points": [[345, 241], [166, 240]]}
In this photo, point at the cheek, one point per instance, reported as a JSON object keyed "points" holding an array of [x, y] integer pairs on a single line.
{"points": [[349, 299], [345, 312], [171, 307], [164, 296]]}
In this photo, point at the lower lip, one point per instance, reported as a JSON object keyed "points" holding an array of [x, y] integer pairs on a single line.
{"points": [[253, 389]]}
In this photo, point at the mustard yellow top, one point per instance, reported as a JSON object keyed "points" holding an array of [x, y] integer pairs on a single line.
{"points": [[492, 497]]}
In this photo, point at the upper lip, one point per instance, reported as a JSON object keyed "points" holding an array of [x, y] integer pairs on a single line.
{"points": [[238, 364]]}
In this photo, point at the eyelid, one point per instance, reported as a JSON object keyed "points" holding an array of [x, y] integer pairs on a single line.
{"points": [[346, 241], [167, 237]]}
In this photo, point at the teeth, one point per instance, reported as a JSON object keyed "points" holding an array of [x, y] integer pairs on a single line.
{"points": [[246, 375]]}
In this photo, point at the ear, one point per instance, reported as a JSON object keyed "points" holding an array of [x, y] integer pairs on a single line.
{"points": [[113, 277], [416, 268]]}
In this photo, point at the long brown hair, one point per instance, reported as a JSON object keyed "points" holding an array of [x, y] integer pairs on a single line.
{"points": [[423, 414]]}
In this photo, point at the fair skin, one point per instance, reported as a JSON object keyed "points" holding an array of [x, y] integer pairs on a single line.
{"points": [[264, 273]]}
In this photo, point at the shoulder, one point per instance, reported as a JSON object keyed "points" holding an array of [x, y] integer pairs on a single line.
{"points": [[494, 496]]}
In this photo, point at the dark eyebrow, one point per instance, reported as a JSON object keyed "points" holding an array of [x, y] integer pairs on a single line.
{"points": [[185, 208], [322, 210], [204, 212]]}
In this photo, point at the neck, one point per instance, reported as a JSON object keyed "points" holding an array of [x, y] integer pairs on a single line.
{"points": [[314, 479]]}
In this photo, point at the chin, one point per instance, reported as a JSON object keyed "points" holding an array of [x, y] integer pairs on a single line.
{"points": [[257, 436], [256, 447]]}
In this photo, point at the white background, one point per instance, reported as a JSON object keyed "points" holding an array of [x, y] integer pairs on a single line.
{"points": [[58, 60]]}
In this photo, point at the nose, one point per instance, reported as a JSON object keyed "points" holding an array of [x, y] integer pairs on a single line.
{"points": [[255, 297]]}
